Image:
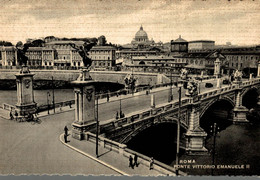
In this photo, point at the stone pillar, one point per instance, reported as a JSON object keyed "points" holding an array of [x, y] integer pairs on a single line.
{"points": [[258, 69], [218, 83], [170, 94], [250, 76], [25, 96], [217, 68], [152, 100], [84, 105], [239, 110], [195, 136]]}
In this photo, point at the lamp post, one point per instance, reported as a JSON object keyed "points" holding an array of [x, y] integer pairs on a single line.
{"points": [[120, 107], [170, 92], [53, 99], [178, 132], [48, 94], [214, 130], [97, 130]]}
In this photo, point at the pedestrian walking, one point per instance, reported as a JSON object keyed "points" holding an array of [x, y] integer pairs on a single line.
{"points": [[11, 115], [107, 97], [135, 160], [66, 130], [16, 115], [151, 163], [117, 115], [131, 162], [65, 138]]}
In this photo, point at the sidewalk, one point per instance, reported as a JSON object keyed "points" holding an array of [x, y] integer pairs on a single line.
{"points": [[108, 158]]}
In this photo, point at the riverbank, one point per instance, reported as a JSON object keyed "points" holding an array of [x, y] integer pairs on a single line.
{"points": [[10, 84]]}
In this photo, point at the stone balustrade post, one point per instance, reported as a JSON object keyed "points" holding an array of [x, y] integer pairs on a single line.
{"points": [[239, 110]]}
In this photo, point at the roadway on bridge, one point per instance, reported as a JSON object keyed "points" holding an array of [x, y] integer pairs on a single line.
{"points": [[142, 102]]}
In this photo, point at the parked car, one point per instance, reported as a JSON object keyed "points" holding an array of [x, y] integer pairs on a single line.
{"points": [[198, 78], [208, 85], [226, 81]]}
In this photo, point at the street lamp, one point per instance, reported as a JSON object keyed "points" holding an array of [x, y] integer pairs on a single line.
{"points": [[53, 99], [170, 98], [178, 132], [120, 107], [97, 130], [48, 95], [214, 130]]}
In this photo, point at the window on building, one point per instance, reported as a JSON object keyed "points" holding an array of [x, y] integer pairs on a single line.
{"points": [[74, 63], [108, 64], [49, 63], [241, 65], [45, 63], [78, 63]]}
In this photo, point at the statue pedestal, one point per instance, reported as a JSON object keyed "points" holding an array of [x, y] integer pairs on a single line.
{"points": [[84, 105], [25, 96], [195, 141], [240, 115]]}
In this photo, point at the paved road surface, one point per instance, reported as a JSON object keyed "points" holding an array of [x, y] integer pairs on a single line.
{"points": [[34, 149]]}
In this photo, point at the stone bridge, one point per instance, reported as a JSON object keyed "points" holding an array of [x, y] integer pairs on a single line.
{"points": [[192, 110], [101, 76]]}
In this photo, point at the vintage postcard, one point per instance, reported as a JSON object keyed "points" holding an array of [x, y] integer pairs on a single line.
{"points": [[130, 87]]}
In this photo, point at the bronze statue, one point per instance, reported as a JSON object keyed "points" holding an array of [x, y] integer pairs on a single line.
{"points": [[21, 50], [83, 52]]}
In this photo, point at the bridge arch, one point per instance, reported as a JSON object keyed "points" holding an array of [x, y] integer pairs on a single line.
{"points": [[158, 141], [207, 106], [161, 120], [220, 111], [250, 97]]}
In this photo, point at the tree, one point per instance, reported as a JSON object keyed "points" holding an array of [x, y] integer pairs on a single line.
{"points": [[37, 43], [5, 43]]}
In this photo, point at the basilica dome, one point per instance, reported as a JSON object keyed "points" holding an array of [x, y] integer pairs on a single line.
{"points": [[141, 34]]}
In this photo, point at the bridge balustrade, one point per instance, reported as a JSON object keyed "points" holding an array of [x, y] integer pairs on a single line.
{"points": [[8, 107], [106, 143]]}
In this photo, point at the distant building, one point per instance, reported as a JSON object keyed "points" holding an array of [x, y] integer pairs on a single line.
{"points": [[8, 56], [179, 45], [103, 56], [201, 44], [141, 40], [102, 41], [65, 55]]}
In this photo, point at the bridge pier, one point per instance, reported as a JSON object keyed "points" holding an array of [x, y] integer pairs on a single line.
{"points": [[195, 136], [239, 110], [84, 105]]}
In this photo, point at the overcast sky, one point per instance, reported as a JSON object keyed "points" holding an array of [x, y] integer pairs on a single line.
{"points": [[119, 20]]}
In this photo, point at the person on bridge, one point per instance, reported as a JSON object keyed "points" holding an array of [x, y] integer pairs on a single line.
{"points": [[151, 163], [11, 115], [65, 138], [65, 130], [131, 162], [135, 160], [117, 115]]}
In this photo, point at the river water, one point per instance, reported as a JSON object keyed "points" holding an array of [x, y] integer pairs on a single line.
{"points": [[40, 96]]}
